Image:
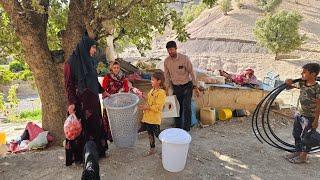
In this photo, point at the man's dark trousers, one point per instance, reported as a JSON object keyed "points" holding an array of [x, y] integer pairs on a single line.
{"points": [[184, 95]]}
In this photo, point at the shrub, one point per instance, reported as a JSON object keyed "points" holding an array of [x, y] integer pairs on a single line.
{"points": [[279, 32], [16, 66], [225, 6], [268, 5], [26, 75], [6, 76], [192, 11]]}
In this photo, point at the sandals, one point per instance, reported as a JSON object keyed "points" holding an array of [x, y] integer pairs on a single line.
{"points": [[297, 160], [150, 152], [290, 156]]}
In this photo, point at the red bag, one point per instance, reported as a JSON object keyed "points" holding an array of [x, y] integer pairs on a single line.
{"points": [[72, 127], [34, 130]]}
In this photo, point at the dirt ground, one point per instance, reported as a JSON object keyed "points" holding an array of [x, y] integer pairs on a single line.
{"points": [[228, 150]]}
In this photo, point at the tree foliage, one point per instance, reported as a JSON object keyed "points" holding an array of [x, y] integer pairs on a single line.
{"points": [[191, 11], [16, 66], [9, 43], [136, 24], [225, 6], [12, 96], [2, 103], [279, 32], [210, 3], [140, 25], [57, 22], [42, 26], [268, 5]]}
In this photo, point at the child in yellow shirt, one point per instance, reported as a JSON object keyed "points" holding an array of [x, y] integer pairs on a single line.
{"points": [[152, 110]]}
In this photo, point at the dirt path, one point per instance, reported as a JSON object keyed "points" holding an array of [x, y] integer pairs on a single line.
{"points": [[225, 151]]}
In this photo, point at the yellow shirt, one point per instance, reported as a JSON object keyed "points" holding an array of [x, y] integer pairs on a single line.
{"points": [[156, 100]]}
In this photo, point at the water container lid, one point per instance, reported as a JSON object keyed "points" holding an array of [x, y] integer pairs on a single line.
{"points": [[175, 136]]}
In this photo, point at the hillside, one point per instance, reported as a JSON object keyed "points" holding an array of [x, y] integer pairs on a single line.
{"points": [[218, 41]]}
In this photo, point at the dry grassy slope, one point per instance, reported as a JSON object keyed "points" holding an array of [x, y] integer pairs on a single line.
{"points": [[205, 52]]}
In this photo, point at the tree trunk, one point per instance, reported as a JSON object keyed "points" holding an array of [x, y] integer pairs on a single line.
{"points": [[110, 50], [277, 56], [31, 29], [50, 87]]}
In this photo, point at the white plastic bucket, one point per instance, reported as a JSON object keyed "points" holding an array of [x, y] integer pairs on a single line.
{"points": [[175, 146]]}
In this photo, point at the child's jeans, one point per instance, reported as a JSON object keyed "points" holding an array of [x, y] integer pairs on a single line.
{"points": [[301, 126]]}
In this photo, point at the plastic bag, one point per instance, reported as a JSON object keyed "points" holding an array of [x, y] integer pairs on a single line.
{"points": [[40, 141], [137, 92], [311, 138], [72, 127]]}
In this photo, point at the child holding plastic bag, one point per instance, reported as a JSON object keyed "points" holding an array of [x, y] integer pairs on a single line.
{"points": [[152, 110]]}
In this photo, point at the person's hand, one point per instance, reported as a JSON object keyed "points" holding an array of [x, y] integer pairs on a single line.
{"points": [[197, 91], [143, 107], [289, 82], [105, 94], [167, 90], [144, 96], [71, 109]]}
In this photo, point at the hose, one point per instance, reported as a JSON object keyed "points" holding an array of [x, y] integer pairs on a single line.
{"points": [[261, 122]]}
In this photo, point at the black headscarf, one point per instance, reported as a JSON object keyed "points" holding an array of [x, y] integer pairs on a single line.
{"points": [[83, 66]]}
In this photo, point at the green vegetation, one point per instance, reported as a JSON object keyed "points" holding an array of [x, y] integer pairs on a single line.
{"points": [[191, 11], [12, 96], [6, 76], [268, 5], [210, 3], [31, 115], [16, 66], [279, 32], [225, 6]]}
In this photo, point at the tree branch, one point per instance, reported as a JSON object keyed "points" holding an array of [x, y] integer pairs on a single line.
{"points": [[120, 35], [88, 17], [113, 13]]}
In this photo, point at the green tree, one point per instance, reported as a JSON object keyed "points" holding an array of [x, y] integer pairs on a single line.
{"points": [[40, 26], [10, 43], [16, 66], [268, 5], [2, 103], [210, 3], [12, 96], [192, 11], [279, 32], [225, 6]]}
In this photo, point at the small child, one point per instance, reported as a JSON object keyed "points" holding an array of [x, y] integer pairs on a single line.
{"points": [[153, 109], [309, 110]]}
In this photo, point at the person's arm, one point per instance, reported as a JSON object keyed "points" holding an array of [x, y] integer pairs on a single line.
{"points": [[126, 85], [317, 110], [189, 69], [317, 114], [101, 89], [167, 75], [158, 105], [70, 88], [69, 85], [290, 84], [105, 82]]}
